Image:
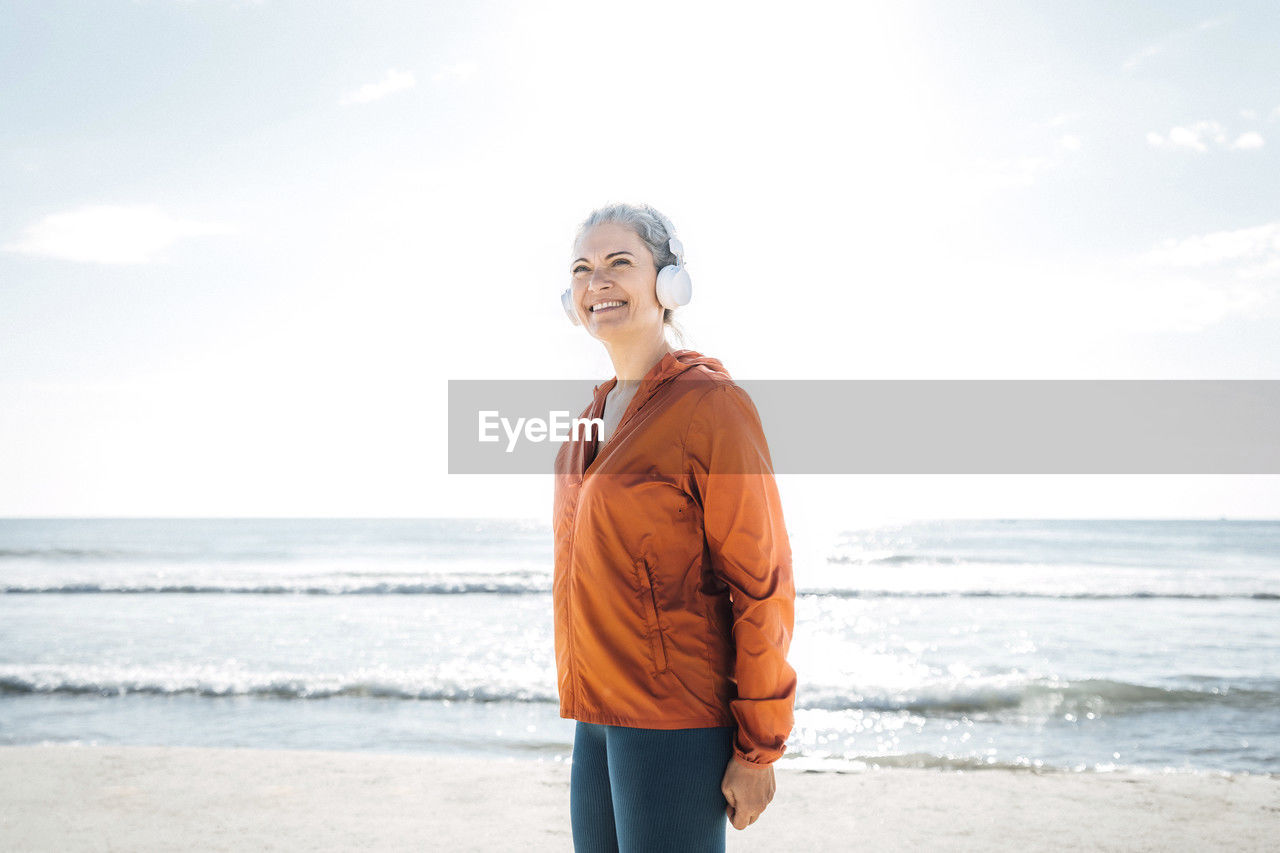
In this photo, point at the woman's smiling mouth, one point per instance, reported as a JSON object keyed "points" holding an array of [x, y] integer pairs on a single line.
{"points": [[601, 307]]}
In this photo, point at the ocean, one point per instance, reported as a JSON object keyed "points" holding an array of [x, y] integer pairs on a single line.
{"points": [[1072, 645]]}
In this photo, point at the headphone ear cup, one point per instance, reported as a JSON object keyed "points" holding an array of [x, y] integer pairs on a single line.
{"points": [[674, 286], [566, 302]]}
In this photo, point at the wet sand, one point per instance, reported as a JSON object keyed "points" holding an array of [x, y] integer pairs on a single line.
{"points": [[72, 798]]}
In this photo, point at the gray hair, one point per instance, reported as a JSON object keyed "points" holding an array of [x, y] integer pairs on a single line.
{"points": [[653, 229]]}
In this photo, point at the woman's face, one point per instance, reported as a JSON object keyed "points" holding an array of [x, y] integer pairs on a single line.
{"points": [[612, 265]]}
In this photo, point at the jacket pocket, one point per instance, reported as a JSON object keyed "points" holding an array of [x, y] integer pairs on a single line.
{"points": [[649, 601]]}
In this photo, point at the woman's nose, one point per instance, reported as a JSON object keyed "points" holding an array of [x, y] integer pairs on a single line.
{"points": [[598, 278]]}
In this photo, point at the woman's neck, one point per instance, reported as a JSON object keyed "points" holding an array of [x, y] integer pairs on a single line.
{"points": [[632, 361]]}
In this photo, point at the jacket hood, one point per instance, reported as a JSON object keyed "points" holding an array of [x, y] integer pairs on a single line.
{"points": [[668, 367]]}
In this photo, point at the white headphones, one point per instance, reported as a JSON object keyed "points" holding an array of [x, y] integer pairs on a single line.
{"points": [[673, 288]]}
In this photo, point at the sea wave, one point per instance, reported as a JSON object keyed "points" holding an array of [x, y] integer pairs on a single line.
{"points": [[1040, 698], [908, 559], [814, 763], [518, 586], [451, 587], [69, 553], [97, 682], [842, 592]]}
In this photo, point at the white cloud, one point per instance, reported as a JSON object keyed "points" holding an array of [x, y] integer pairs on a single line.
{"points": [[1163, 44], [1144, 54], [1252, 139], [1064, 118], [1199, 136], [1248, 249], [1163, 301], [1018, 172], [1251, 115], [1182, 303], [109, 234], [394, 81], [1196, 135], [1192, 137], [1190, 283], [1012, 173], [457, 71], [1047, 307]]}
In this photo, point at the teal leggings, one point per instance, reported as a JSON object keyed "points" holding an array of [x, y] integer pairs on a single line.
{"points": [[648, 790]]}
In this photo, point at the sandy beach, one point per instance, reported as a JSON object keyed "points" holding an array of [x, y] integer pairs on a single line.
{"points": [[70, 798]]}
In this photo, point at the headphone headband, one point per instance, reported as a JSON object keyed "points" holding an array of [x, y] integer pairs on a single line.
{"points": [[677, 248]]}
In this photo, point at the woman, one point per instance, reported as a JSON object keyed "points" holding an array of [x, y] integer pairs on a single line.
{"points": [[673, 592]]}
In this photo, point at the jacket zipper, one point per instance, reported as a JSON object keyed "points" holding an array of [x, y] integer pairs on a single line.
{"points": [[580, 474], [568, 604], [651, 604]]}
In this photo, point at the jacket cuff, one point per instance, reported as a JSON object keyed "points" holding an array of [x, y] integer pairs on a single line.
{"points": [[758, 765]]}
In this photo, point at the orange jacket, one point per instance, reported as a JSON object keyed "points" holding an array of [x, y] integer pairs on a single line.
{"points": [[673, 593]]}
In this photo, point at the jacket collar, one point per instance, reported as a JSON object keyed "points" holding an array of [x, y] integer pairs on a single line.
{"points": [[671, 365], [668, 368]]}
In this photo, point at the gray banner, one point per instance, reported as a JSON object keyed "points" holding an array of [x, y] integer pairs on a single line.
{"points": [[922, 426]]}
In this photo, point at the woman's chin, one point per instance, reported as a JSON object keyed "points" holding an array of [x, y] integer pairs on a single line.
{"points": [[609, 330], [613, 331]]}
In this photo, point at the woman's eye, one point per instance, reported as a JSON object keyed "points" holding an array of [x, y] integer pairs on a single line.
{"points": [[581, 268]]}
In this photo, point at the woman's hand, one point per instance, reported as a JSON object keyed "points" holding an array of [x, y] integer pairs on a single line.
{"points": [[748, 788]]}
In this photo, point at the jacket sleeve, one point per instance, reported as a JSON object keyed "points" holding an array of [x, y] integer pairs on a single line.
{"points": [[732, 475]]}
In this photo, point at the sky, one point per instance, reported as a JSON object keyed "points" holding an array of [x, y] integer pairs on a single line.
{"points": [[245, 245]]}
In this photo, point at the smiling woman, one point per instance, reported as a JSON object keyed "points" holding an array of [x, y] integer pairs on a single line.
{"points": [[673, 591]]}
